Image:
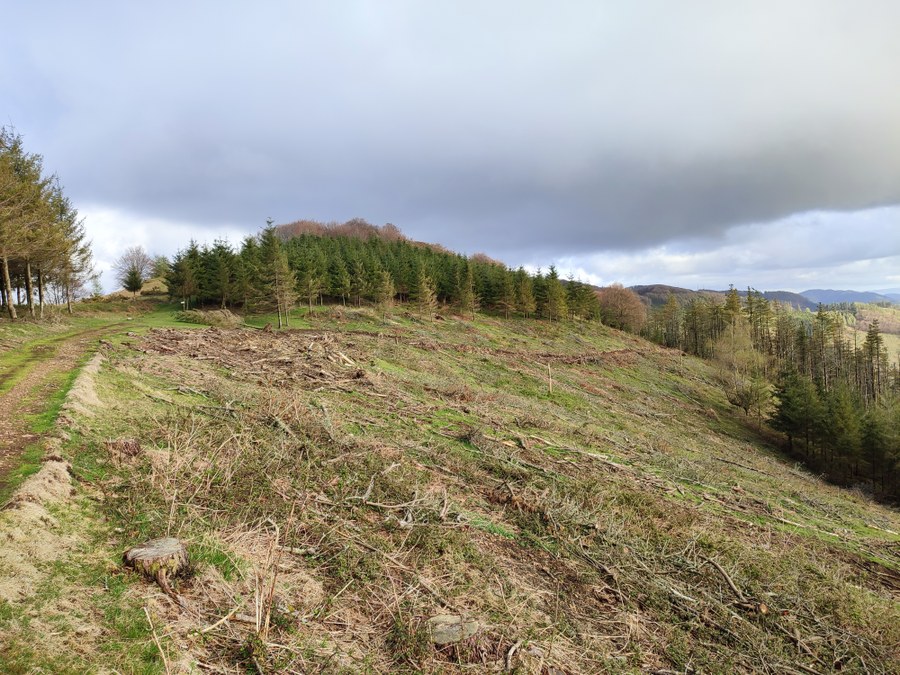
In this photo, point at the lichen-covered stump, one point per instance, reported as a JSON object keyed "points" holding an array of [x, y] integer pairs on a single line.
{"points": [[159, 560]]}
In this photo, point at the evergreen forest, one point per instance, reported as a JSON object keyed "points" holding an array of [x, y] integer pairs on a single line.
{"points": [[836, 398]]}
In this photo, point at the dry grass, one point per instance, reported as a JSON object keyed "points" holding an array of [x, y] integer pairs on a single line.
{"points": [[339, 487]]}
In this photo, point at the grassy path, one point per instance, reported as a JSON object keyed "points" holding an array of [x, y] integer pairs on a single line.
{"points": [[34, 378]]}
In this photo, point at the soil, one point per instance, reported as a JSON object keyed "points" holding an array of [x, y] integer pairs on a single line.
{"points": [[29, 396]]}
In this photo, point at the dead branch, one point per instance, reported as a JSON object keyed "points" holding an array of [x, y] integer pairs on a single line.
{"points": [[731, 584]]}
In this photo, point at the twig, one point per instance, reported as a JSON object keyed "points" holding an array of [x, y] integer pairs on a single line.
{"points": [[743, 466], [158, 645], [801, 645], [299, 550], [406, 568], [737, 591], [221, 621], [511, 653], [172, 512], [284, 427], [678, 594]]}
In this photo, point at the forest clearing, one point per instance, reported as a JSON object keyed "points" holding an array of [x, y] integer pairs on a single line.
{"points": [[424, 495], [406, 337]]}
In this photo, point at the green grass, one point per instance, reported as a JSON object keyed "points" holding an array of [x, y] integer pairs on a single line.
{"points": [[36, 347], [28, 464]]}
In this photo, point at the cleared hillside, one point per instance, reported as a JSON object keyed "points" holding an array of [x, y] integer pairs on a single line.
{"points": [[341, 485]]}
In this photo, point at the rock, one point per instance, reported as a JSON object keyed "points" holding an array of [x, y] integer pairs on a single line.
{"points": [[449, 628]]}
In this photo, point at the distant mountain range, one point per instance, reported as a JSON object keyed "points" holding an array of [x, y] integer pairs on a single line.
{"points": [[828, 296], [658, 294]]}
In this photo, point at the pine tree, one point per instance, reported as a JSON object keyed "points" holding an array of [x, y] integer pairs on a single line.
{"points": [[278, 278], [220, 272], [733, 305], [340, 285], [556, 296], [507, 293], [359, 284], [875, 443], [133, 281], [132, 268], [183, 278], [525, 302], [425, 295], [311, 285], [384, 292], [468, 300], [842, 431], [875, 362]]}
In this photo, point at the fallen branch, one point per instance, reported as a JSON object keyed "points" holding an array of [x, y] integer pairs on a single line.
{"points": [[743, 466], [221, 621], [737, 591]]}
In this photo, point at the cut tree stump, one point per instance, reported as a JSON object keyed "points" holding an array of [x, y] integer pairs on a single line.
{"points": [[159, 560]]}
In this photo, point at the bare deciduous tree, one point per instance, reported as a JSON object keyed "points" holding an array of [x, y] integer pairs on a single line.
{"points": [[621, 308], [132, 268]]}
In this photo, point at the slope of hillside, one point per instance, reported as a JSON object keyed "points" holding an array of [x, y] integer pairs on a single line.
{"points": [[580, 500]]}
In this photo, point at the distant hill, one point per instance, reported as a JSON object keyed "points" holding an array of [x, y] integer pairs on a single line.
{"points": [[829, 296], [795, 300], [658, 294]]}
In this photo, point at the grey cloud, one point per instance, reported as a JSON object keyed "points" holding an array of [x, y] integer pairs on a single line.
{"points": [[510, 127]]}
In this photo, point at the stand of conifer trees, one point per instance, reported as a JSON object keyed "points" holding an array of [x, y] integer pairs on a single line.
{"points": [[286, 266], [836, 399], [44, 257]]}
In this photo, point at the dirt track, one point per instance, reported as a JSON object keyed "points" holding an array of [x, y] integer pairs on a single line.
{"points": [[30, 394]]}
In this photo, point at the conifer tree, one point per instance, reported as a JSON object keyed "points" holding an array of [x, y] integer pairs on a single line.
{"points": [[277, 276], [359, 285], [132, 268], [425, 295], [133, 281], [556, 296], [341, 285], [220, 272], [525, 302], [311, 285], [384, 292], [507, 293], [468, 300]]}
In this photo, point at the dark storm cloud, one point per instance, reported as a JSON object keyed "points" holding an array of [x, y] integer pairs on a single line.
{"points": [[507, 126]]}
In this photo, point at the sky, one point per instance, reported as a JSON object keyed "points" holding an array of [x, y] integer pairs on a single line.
{"points": [[697, 144]]}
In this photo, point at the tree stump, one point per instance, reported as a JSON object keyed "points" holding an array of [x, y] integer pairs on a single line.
{"points": [[159, 560]]}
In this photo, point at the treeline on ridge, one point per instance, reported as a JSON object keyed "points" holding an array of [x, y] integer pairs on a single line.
{"points": [[312, 263]]}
